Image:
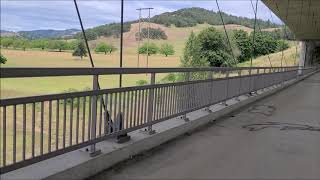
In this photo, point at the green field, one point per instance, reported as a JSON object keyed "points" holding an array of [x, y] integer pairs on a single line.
{"points": [[176, 36]]}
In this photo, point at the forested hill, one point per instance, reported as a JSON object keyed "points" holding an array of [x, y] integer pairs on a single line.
{"points": [[187, 17]]}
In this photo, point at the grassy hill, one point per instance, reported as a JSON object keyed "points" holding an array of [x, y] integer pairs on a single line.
{"points": [[176, 36], [187, 17]]}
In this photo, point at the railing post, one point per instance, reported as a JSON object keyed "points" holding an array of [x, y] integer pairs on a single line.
{"points": [[210, 77], [93, 150], [187, 78], [239, 89], [227, 90], [150, 104]]}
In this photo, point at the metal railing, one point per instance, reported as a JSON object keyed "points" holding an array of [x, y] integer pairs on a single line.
{"points": [[40, 127]]}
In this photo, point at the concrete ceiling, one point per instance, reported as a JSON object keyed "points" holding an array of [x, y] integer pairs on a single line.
{"points": [[301, 16]]}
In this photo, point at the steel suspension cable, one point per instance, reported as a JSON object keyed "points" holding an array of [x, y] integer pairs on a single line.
{"points": [[87, 44], [225, 30], [254, 10], [254, 35]]}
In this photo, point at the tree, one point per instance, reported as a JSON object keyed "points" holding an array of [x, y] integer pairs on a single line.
{"points": [[6, 42], [21, 43], [244, 44], [80, 50], [282, 45], [208, 48], [167, 49], [40, 43], [153, 34], [264, 44], [192, 52], [3, 60], [148, 49], [106, 48], [58, 44]]}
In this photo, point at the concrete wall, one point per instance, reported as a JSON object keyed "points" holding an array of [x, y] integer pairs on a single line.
{"points": [[309, 55]]}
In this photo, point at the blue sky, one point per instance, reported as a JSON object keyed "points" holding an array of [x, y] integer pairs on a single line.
{"points": [[19, 15]]}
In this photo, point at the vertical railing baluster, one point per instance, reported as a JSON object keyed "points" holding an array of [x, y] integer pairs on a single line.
{"points": [[57, 124], [115, 113], [41, 128], [131, 110], [106, 116], [158, 103], [127, 109], [135, 107], [84, 117], [89, 117], [64, 123], [145, 112], [162, 103], [71, 122], [4, 136], [110, 115], [24, 132], [78, 119], [49, 126], [14, 140], [124, 109], [100, 114], [119, 109], [33, 128], [139, 104], [167, 101], [154, 104], [170, 100]]}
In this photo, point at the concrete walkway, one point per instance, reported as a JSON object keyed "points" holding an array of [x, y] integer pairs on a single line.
{"points": [[268, 140]]}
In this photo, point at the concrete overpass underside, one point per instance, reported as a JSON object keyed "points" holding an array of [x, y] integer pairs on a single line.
{"points": [[303, 18]]}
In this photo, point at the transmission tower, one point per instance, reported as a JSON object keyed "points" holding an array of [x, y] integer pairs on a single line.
{"points": [[139, 34]]}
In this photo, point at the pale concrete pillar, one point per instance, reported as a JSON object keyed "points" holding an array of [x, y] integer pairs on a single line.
{"points": [[308, 53]]}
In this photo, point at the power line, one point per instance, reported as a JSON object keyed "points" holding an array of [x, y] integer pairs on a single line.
{"points": [[254, 34], [89, 52], [254, 10], [225, 30], [121, 44]]}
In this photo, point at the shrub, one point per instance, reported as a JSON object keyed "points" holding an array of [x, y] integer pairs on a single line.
{"points": [[105, 48], [154, 34], [166, 49], [149, 49], [80, 50], [141, 82], [3, 60]]}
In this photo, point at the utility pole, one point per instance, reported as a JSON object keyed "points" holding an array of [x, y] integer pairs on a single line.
{"points": [[149, 21], [139, 38], [121, 43]]}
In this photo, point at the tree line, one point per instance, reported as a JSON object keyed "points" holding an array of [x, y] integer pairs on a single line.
{"points": [[154, 33], [49, 44], [151, 48], [189, 17]]}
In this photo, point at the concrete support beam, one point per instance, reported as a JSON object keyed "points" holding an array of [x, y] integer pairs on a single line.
{"points": [[309, 54]]}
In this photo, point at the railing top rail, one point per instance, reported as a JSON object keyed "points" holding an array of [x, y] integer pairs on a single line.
{"points": [[9, 72]]}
